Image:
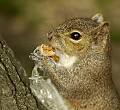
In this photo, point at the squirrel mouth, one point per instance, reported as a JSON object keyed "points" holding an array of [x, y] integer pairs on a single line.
{"points": [[45, 50]]}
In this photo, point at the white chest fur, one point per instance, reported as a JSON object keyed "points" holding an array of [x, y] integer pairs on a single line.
{"points": [[65, 60]]}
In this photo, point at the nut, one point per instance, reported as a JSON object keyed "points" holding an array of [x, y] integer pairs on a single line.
{"points": [[49, 51]]}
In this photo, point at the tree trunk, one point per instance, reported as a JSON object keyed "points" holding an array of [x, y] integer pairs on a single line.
{"points": [[15, 93]]}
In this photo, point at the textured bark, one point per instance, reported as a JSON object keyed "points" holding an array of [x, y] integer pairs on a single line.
{"points": [[15, 93]]}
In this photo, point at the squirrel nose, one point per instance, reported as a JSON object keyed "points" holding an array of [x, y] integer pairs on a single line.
{"points": [[50, 38]]}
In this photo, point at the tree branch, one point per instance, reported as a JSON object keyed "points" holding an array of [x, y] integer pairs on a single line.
{"points": [[15, 93]]}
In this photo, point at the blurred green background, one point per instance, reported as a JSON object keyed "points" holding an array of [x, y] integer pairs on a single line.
{"points": [[24, 24]]}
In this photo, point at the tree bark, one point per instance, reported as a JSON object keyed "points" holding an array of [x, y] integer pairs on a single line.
{"points": [[15, 93]]}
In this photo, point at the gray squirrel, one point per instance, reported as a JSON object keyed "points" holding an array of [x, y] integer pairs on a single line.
{"points": [[82, 78]]}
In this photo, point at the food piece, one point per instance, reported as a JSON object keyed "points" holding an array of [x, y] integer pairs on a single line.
{"points": [[49, 51], [55, 58]]}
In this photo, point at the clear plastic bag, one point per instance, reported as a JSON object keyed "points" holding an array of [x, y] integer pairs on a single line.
{"points": [[42, 87]]}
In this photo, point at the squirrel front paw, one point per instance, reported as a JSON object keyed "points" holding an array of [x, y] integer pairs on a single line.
{"points": [[41, 60]]}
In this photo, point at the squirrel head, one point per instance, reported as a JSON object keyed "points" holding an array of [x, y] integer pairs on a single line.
{"points": [[80, 35]]}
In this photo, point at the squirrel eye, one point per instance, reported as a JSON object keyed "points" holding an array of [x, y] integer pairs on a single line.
{"points": [[75, 36]]}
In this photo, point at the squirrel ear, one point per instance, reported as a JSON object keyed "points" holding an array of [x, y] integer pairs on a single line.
{"points": [[101, 33], [105, 27], [101, 39], [98, 18]]}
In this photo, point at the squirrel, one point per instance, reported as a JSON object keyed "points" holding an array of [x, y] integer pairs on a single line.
{"points": [[82, 76]]}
